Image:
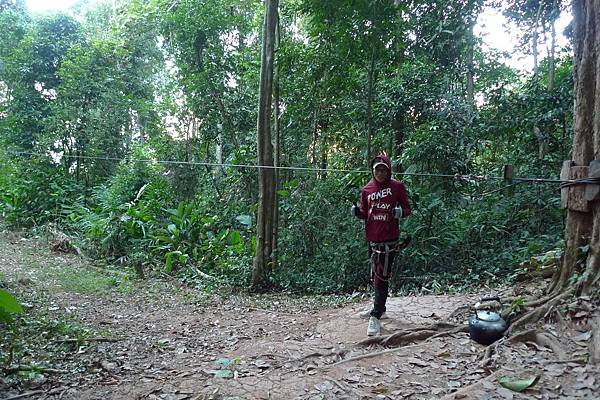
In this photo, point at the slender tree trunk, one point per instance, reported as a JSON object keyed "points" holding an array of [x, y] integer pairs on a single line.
{"points": [[534, 39], [277, 149], [371, 84], [542, 141], [551, 56], [470, 68], [583, 228], [266, 176]]}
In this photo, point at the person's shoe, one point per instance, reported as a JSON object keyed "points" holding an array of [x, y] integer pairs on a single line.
{"points": [[374, 327], [366, 314]]}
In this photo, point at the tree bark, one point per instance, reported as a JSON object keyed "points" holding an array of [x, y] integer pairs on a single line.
{"points": [[583, 228], [470, 66], [370, 84], [277, 149], [534, 39], [551, 57], [266, 176]]}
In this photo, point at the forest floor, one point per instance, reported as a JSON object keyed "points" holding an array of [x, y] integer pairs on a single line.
{"points": [[98, 334]]}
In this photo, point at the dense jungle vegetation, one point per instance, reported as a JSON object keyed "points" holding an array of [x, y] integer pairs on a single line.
{"points": [[113, 116]]}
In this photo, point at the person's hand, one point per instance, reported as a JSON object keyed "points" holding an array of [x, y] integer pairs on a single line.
{"points": [[397, 212]]}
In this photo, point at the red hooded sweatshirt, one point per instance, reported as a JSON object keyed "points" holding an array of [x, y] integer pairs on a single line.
{"points": [[377, 202]]}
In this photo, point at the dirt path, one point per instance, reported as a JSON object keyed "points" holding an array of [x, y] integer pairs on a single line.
{"points": [[170, 343]]}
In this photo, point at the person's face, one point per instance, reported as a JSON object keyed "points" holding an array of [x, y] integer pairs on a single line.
{"points": [[380, 173]]}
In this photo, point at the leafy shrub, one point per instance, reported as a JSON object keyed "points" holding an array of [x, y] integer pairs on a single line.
{"points": [[34, 191]]}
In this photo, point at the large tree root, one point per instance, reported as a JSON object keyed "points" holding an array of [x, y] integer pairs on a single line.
{"points": [[425, 334], [542, 339], [371, 355], [415, 334], [537, 313]]}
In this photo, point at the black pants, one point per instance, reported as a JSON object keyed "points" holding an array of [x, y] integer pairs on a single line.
{"points": [[381, 273]]}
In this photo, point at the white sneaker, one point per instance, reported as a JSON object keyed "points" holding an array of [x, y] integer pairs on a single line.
{"points": [[374, 327], [366, 314]]}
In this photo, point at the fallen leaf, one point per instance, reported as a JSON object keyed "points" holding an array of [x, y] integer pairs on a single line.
{"points": [[107, 366], [324, 386], [223, 373], [584, 337], [224, 361], [417, 362], [517, 386], [262, 364], [443, 354], [379, 390], [352, 378]]}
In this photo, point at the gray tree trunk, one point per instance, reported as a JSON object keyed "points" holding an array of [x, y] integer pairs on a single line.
{"points": [[370, 90], [266, 176], [470, 67], [583, 228], [277, 177]]}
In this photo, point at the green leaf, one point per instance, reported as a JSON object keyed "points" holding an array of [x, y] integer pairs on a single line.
{"points": [[5, 317], [283, 193], [293, 184], [245, 220], [169, 263], [8, 303], [517, 386], [223, 373], [224, 361], [235, 237]]}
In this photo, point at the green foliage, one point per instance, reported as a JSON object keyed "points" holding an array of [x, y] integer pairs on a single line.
{"points": [[320, 250], [180, 236], [517, 305], [98, 100], [8, 306], [33, 192]]}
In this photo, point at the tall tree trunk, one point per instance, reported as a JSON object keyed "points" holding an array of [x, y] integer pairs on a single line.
{"points": [[534, 39], [277, 149], [371, 84], [540, 137], [266, 176], [470, 68], [583, 228], [551, 56]]}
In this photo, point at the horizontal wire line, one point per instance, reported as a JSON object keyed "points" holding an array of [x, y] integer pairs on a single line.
{"points": [[308, 169]]}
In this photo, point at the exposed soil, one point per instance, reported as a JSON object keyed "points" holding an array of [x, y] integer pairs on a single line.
{"points": [[171, 343]]}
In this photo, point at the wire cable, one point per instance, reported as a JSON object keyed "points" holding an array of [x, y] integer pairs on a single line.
{"points": [[463, 177]]}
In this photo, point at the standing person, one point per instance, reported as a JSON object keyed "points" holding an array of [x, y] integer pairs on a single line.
{"points": [[383, 202]]}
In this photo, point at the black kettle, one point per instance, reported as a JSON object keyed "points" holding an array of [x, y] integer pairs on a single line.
{"points": [[486, 326]]}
